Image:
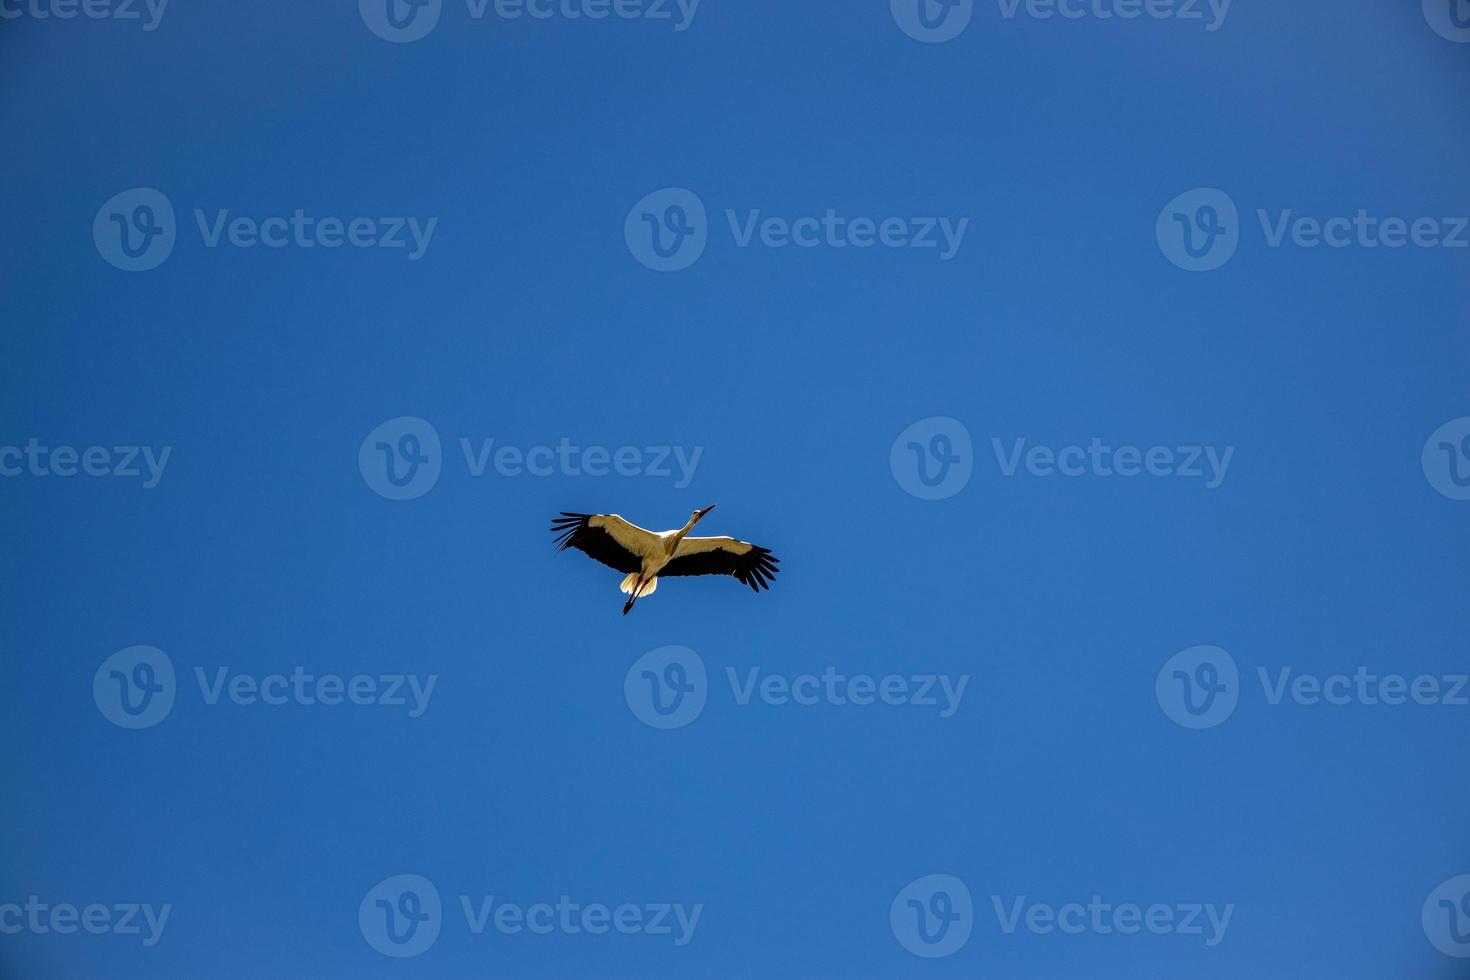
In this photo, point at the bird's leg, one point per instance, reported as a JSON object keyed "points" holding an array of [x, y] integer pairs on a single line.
{"points": [[633, 596]]}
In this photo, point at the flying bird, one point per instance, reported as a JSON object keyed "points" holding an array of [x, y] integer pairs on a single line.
{"points": [[643, 556]]}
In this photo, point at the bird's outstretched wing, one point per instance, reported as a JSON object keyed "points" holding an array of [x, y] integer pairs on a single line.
{"points": [[606, 537], [751, 564]]}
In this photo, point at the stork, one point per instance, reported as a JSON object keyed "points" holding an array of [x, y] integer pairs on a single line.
{"points": [[642, 555]]}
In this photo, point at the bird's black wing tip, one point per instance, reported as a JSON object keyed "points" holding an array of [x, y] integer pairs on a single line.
{"points": [[566, 527]]}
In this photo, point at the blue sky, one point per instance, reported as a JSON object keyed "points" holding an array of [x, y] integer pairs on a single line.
{"points": [[1137, 666]]}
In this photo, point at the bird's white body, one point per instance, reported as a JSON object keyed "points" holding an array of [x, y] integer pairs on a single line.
{"points": [[660, 547], [655, 549]]}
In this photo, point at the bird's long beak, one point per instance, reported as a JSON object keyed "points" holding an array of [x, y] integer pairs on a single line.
{"points": [[706, 511]]}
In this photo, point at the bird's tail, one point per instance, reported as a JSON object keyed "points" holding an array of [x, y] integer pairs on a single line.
{"points": [[648, 589]]}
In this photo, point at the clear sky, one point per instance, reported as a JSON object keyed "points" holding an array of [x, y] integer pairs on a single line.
{"points": [[1118, 281]]}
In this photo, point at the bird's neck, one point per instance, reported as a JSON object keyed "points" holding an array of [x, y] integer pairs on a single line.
{"points": [[678, 535]]}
